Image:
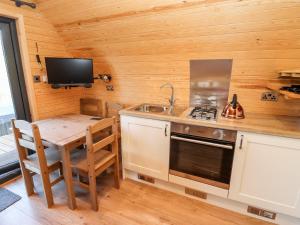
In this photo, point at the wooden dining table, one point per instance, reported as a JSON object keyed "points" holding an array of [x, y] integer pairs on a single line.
{"points": [[66, 133]]}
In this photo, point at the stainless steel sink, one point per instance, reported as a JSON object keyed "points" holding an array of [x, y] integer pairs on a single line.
{"points": [[149, 108]]}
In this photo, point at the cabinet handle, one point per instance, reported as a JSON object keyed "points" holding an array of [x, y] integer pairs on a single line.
{"points": [[241, 142], [201, 142], [166, 127]]}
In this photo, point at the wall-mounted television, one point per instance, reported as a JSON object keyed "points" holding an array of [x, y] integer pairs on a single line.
{"points": [[69, 71]]}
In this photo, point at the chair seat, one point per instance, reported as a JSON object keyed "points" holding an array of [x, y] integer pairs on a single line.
{"points": [[79, 160], [52, 157]]}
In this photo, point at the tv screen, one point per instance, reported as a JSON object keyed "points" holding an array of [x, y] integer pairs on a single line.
{"points": [[69, 70]]}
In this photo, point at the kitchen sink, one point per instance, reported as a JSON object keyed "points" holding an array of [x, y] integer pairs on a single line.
{"points": [[151, 108]]}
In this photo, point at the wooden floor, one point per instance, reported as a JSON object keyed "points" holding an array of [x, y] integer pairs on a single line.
{"points": [[133, 204]]}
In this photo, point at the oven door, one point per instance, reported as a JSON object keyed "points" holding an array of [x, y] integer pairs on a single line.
{"points": [[202, 159]]}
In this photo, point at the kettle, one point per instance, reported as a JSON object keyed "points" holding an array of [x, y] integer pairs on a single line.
{"points": [[233, 110]]}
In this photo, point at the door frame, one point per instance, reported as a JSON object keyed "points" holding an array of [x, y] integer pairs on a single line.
{"points": [[25, 60], [14, 69]]}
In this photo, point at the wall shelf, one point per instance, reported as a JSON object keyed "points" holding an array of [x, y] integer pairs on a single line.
{"points": [[293, 74]]}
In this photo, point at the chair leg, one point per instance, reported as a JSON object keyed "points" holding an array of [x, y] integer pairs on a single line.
{"points": [[27, 180], [117, 173], [93, 192], [47, 189]]}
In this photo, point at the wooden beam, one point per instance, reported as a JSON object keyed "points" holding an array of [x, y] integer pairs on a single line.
{"points": [[182, 5]]}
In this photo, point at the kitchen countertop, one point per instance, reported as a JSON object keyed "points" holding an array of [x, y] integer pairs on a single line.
{"points": [[285, 126]]}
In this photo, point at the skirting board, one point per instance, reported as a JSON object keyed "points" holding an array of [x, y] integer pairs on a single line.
{"points": [[212, 199], [196, 185]]}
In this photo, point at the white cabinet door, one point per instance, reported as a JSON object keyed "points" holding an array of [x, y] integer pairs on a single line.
{"points": [[146, 146], [266, 173]]}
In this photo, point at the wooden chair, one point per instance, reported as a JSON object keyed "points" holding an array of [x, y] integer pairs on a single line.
{"points": [[112, 110], [92, 107], [43, 162], [97, 159]]}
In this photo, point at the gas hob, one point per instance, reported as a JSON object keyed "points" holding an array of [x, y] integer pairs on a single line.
{"points": [[204, 112]]}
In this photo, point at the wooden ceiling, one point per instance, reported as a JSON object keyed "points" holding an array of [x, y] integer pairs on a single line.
{"points": [[69, 12]]}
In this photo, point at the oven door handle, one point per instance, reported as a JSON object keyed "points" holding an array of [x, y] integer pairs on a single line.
{"points": [[201, 142]]}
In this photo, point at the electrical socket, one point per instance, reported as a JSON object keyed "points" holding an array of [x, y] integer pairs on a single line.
{"points": [[109, 87], [270, 96]]}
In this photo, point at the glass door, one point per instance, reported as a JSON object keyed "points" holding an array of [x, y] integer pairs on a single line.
{"points": [[13, 97], [7, 112], [201, 157]]}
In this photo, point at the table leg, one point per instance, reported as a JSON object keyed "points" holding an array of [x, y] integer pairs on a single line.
{"points": [[68, 177]]}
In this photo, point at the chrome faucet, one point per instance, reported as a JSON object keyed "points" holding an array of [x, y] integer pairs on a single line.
{"points": [[172, 99]]}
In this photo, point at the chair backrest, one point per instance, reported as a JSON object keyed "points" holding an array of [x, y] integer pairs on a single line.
{"points": [[111, 139], [92, 107], [27, 136], [112, 109]]}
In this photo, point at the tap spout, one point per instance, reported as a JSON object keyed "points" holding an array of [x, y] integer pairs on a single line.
{"points": [[172, 98]]}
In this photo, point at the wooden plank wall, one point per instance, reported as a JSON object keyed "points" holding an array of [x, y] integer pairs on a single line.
{"points": [[146, 43], [39, 29]]}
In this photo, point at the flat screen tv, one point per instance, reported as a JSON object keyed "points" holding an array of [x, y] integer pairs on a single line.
{"points": [[69, 71]]}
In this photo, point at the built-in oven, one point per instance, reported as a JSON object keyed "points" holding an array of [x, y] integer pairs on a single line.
{"points": [[202, 154]]}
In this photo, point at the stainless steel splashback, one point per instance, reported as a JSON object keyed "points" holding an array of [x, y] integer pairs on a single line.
{"points": [[210, 81]]}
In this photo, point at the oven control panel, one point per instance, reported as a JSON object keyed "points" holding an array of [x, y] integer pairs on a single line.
{"points": [[207, 132]]}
